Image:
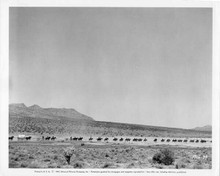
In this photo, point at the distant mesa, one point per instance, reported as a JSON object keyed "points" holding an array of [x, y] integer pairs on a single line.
{"points": [[204, 128], [21, 110]]}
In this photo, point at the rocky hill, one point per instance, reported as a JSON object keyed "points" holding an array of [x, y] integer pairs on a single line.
{"points": [[204, 128], [35, 111]]}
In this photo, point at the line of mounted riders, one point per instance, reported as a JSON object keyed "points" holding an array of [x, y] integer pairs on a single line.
{"points": [[114, 139], [20, 138], [23, 137], [138, 139], [118, 139], [180, 140], [49, 138]]}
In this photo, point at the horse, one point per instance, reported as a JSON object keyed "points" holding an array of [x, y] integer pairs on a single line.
{"points": [[115, 139], [127, 139], [80, 138], [47, 138], [11, 138], [53, 138], [135, 139], [28, 138], [99, 139], [203, 141]]}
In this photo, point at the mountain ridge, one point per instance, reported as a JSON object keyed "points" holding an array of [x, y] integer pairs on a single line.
{"points": [[203, 128], [21, 110]]}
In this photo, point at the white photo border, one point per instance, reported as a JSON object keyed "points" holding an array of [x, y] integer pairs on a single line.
{"points": [[4, 78]]}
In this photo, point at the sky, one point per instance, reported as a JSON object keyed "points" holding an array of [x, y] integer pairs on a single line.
{"points": [[150, 66]]}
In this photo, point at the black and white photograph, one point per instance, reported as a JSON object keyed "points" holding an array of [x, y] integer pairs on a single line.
{"points": [[110, 88]]}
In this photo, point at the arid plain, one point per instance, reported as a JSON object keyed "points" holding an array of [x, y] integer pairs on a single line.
{"points": [[64, 138]]}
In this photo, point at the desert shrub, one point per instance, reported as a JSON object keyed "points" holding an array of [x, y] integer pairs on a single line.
{"points": [[53, 165], [197, 166], [22, 155], [131, 165], [24, 165], [68, 154], [66, 166], [13, 164], [127, 150], [164, 156], [47, 160], [31, 157], [159, 166], [107, 165], [199, 162], [209, 159], [36, 164], [78, 165], [180, 165], [55, 157], [186, 160], [150, 160], [14, 157]]}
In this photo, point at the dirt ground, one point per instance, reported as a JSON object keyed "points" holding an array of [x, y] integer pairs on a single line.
{"points": [[50, 154]]}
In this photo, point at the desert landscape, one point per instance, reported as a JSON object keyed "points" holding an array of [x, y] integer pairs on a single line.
{"points": [[64, 138], [110, 87]]}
